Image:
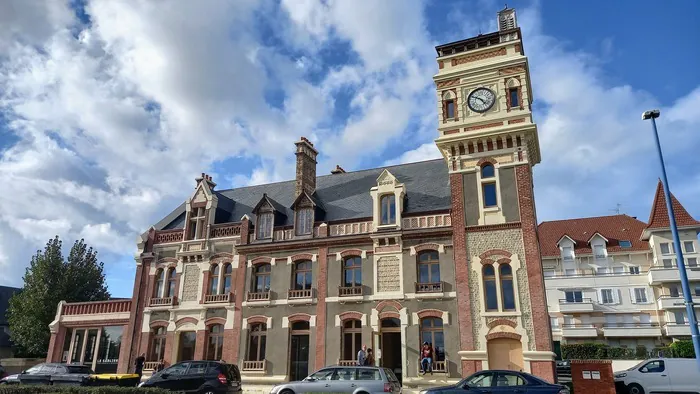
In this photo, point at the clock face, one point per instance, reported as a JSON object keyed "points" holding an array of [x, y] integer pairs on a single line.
{"points": [[481, 99]]}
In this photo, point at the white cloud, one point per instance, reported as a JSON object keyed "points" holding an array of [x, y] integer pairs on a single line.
{"points": [[424, 152]]}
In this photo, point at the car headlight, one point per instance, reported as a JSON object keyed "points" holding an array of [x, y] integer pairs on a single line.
{"points": [[141, 384], [620, 375]]}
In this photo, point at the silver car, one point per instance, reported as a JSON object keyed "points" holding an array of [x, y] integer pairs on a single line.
{"points": [[338, 379]]}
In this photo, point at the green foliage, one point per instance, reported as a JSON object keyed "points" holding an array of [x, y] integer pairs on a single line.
{"points": [[641, 353], [48, 280], [682, 349], [599, 351], [23, 389]]}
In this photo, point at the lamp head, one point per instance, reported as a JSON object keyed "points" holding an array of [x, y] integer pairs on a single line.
{"points": [[653, 114]]}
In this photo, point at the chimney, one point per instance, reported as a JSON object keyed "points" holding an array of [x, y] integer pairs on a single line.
{"points": [[207, 179], [507, 19], [306, 167], [338, 170]]}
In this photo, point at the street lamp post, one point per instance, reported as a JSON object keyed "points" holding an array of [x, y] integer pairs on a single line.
{"points": [[692, 321]]}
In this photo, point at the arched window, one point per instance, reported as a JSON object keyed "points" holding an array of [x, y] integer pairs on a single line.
{"points": [[490, 288], [431, 332], [257, 341], [505, 274], [488, 188], [388, 209], [351, 341], [352, 271], [172, 276], [160, 281], [157, 344], [302, 275], [261, 278], [228, 270], [214, 279], [428, 268], [215, 344]]}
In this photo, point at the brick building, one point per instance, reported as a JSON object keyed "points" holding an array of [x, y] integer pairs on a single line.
{"points": [[285, 278]]}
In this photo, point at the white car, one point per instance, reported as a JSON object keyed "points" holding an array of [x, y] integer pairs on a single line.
{"points": [[661, 375]]}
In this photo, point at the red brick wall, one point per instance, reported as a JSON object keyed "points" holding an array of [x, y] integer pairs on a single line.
{"points": [[533, 262], [144, 346], [459, 239], [170, 351], [200, 345], [240, 296], [228, 352], [321, 307], [604, 385], [543, 369]]}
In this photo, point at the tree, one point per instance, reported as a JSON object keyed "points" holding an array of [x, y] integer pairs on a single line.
{"points": [[48, 280]]}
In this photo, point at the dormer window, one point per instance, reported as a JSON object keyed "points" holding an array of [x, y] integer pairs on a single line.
{"points": [[304, 221], [599, 251], [196, 223], [265, 223], [388, 209], [567, 253]]}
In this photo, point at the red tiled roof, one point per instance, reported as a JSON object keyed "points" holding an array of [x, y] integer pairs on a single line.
{"points": [[615, 228], [658, 218]]}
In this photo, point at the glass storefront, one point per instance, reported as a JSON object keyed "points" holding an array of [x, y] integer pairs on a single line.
{"points": [[97, 348], [108, 352]]}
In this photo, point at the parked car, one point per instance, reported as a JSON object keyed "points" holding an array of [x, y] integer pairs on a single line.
{"points": [[339, 379], [10, 379], [56, 374], [205, 377], [660, 375], [501, 382]]}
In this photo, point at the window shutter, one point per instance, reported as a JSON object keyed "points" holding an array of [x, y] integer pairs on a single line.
{"points": [[634, 300], [616, 296], [600, 296]]}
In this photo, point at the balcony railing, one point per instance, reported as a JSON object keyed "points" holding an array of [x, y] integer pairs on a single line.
{"points": [[430, 221], [630, 325], [433, 287], [579, 330], [436, 366], [258, 296], [349, 291], [225, 230], [90, 308], [216, 298], [347, 363], [631, 330], [151, 365], [254, 366], [168, 236], [300, 294], [163, 301]]}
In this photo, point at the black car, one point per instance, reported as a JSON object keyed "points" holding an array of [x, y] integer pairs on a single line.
{"points": [[56, 374], [500, 382], [202, 377]]}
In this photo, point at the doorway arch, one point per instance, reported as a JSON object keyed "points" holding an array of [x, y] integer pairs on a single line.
{"points": [[505, 353]]}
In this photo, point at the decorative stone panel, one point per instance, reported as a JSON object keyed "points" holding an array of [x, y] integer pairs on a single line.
{"points": [[492, 322], [190, 283], [160, 315], [216, 312], [388, 274]]}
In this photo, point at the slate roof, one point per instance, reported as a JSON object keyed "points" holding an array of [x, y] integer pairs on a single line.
{"points": [[658, 217], [342, 196], [615, 228]]}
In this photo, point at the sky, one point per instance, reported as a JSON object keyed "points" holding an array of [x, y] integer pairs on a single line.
{"points": [[110, 109]]}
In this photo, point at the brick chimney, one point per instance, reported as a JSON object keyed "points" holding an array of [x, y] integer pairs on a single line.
{"points": [[206, 178], [306, 167]]}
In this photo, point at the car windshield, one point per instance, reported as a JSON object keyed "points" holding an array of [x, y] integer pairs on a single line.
{"points": [[324, 374], [636, 366], [79, 369]]}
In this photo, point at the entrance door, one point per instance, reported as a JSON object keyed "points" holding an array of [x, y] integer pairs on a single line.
{"points": [[505, 353], [390, 345], [187, 342], [299, 351]]}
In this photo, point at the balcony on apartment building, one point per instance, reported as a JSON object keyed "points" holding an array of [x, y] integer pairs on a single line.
{"points": [[591, 279], [669, 273], [575, 305], [579, 330], [665, 302], [677, 330], [631, 330]]}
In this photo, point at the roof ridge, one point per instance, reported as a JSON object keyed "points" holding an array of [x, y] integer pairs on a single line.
{"points": [[589, 217]]}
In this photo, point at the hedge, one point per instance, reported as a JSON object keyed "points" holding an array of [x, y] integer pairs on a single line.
{"points": [[599, 351], [28, 389]]}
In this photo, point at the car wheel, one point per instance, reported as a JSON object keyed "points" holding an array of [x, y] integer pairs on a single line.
{"points": [[634, 388], [207, 391], [286, 391]]}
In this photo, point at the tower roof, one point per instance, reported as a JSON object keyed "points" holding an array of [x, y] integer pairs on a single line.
{"points": [[658, 218]]}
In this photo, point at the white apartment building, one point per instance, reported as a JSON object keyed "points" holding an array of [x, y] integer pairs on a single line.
{"points": [[614, 279]]}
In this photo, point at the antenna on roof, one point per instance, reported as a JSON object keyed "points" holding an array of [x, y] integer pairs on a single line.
{"points": [[616, 209]]}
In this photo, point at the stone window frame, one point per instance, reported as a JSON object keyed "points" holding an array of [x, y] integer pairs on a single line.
{"points": [[447, 97], [429, 263], [159, 278], [491, 210], [501, 278], [387, 184], [171, 279], [265, 223], [495, 258], [262, 333], [225, 272], [219, 336], [513, 83], [383, 209], [159, 334], [256, 274], [432, 329], [350, 330], [196, 220], [344, 269], [296, 270]]}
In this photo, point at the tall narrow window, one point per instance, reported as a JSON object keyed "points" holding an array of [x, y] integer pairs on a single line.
{"points": [[160, 281], [490, 291], [507, 290], [388, 209], [215, 345], [214, 279], [431, 332], [352, 271], [257, 341], [351, 339], [302, 275], [265, 223], [228, 270], [429, 271], [261, 278], [157, 344], [305, 221], [514, 98], [172, 279], [489, 188], [196, 223], [450, 108]]}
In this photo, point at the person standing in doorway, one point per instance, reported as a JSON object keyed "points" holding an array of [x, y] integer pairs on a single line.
{"points": [[138, 365], [370, 358], [362, 355]]}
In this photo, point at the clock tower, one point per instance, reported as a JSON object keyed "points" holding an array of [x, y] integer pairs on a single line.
{"points": [[489, 141]]}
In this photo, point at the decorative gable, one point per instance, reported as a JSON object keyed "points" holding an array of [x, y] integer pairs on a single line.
{"points": [[200, 209], [388, 201]]}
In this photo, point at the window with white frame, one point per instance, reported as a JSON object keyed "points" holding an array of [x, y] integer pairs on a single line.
{"points": [[567, 253], [573, 296], [602, 270], [665, 247], [488, 185], [668, 263], [692, 262], [570, 272], [196, 228], [599, 251], [634, 270], [554, 322], [304, 221], [387, 209], [679, 317], [266, 219], [606, 296], [568, 320], [618, 270], [645, 318], [674, 291], [610, 320], [689, 246], [639, 295]]}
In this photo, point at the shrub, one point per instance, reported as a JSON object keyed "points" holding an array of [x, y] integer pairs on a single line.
{"points": [[682, 349], [599, 351], [27, 389], [641, 353]]}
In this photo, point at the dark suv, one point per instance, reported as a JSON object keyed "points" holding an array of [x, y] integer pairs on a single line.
{"points": [[202, 377]]}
